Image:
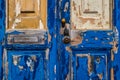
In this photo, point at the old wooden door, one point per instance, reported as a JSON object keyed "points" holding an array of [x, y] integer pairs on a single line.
{"points": [[25, 54], [91, 27], [59, 39]]}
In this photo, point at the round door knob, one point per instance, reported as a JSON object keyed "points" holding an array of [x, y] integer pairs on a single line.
{"points": [[66, 39]]}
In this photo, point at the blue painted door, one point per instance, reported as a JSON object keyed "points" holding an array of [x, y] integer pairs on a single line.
{"points": [[29, 30], [88, 53], [59, 39]]}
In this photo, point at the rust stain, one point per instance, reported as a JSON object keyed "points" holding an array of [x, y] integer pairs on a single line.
{"points": [[49, 38], [74, 5], [114, 49], [114, 46], [73, 26], [107, 22], [112, 69], [90, 67], [100, 76], [84, 20], [114, 43], [79, 10], [100, 24], [112, 74]]}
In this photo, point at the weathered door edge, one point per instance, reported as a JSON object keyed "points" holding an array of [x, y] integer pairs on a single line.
{"points": [[117, 25]]}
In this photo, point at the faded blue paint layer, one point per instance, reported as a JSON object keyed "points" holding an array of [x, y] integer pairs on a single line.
{"points": [[52, 29], [26, 65], [60, 60], [63, 11], [2, 19]]}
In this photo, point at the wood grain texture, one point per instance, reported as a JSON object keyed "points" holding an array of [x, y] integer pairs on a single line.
{"points": [[25, 15]]}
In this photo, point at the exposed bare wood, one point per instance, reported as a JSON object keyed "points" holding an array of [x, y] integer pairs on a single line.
{"points": [[27, 14]]}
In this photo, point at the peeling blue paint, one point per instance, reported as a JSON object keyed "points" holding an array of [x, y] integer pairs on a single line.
{"points": [[26, 65], [61, 64], [93, 42]]}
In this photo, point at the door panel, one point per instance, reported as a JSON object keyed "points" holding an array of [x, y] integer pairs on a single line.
{"points": [[81, 67], [26, 65], [89, 25], [90, 66], [26, 14], [26, 23], [91, 14]]}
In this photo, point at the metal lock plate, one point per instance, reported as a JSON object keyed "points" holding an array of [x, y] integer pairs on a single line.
{"points": [[28, 37]]}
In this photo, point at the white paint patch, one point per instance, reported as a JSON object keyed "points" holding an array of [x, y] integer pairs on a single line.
{"points": [[41, 25], [47, 54], [88, 16], [66, 6], [21, 67], [15, 60], [13, 26], [38, 4], [17, 8], [30, 64], [16, 22], [55, 69]]}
